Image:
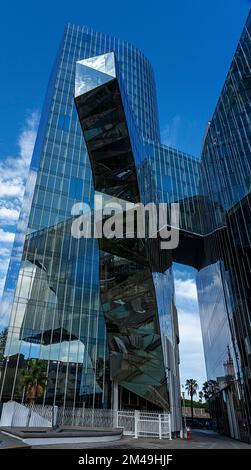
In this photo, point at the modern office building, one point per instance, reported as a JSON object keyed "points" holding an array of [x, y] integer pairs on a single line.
{"points": [[53, 284], [224, 287], [100, 312]]}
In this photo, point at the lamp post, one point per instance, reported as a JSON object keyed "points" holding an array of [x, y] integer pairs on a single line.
{"points": [[185, 423]]}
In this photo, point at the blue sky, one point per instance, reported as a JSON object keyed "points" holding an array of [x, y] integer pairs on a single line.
{"points": [[192, 365], [190, 44]]}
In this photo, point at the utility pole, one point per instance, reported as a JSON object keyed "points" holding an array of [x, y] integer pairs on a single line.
{"points": [[184, 403]]}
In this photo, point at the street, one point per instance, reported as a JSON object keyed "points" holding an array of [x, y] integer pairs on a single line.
{"points": [[200, 439]]}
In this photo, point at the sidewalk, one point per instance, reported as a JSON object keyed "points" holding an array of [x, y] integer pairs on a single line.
{"points": [[200, 440]]}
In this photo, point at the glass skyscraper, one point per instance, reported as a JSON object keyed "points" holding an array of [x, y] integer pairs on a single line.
{"points": [[53, 285], [224, 286], [100, 313]]}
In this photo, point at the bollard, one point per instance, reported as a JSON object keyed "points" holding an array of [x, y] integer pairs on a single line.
{"points": [[189, 433]]}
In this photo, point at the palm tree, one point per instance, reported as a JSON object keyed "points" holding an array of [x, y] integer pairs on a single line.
{"points": [[191, 388], [34, 380], [210, 388], [201, 394]]}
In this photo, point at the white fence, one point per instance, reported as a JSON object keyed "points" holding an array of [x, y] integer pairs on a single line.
{"points": [[87, 417], [134, 423], [145, 424]]}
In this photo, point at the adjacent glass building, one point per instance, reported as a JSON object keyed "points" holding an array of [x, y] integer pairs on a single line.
{"points": [[224, 286], [100, 313]]}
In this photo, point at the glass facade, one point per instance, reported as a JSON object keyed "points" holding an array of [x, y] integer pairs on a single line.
{"points": [[224, 287], [100, 313], [59, 299]]}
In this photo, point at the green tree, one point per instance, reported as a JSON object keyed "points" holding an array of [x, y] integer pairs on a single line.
{"points": [[191, 388], [210, 388], [3, 339], [34, 380], [201, 395]]}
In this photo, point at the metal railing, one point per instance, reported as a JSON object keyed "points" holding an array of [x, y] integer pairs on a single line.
{"points": [[93, 417], [134, 423], [145, 424]]}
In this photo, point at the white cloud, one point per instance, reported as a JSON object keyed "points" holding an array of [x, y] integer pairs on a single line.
{"points": [[185, 289], [10, 187], [190, 330], [13, 175], [4, 266], [191, 348], [169, 134], [8, 216], [5, 311], [27, 137], [4, 252], [2, 281], [192, 363], [6, 237], [14, 170]]}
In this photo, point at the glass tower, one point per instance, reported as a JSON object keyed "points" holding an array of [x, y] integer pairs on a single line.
{"points": [[100, 314], [54, 288], [224, 286]]}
